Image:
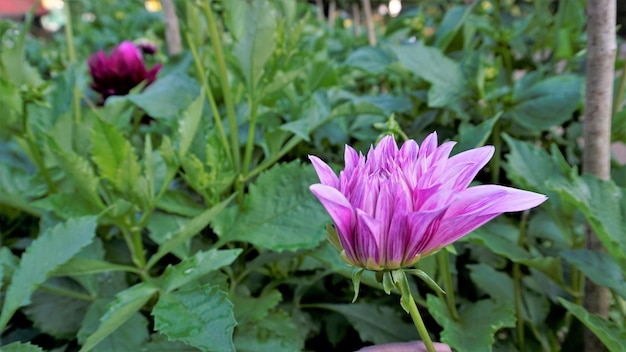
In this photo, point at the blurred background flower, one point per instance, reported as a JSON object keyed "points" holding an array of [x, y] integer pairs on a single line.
{"points": [[121, 71]]}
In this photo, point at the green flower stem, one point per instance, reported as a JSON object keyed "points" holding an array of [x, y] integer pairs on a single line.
{"points": [[71, 54], [223, 74], [444, 264], [251, 129], [408, 303], [497, 157], [59, 291], [203, 78], [517, 284], [135, 246]]}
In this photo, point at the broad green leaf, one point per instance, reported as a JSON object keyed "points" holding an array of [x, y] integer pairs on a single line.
{"points": [[611, 335], [160, 343], [162, 225], [85, 266], [197, 266], [130, 336], [123, 307], [56, 314], [167, 96], [253, 309], [11, 106], [79, 170], [599, 268], [257, 44], [279, 212], [67, 205], [496, 284], [471, 136], [187, 231], [447, 80], [375, 323], [369, 59], [115, 156], [54, 247], [604, 206], [201, 317], [546, 103], [20, 347], [502, 240], [276, 332], [188, 124], [313, 112], [179, 203], [478, 323]]}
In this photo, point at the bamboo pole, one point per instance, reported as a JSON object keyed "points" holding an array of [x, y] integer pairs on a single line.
{"points": [[601, 49]]}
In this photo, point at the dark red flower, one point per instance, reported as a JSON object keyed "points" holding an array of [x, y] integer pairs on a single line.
{"points": [[119, 72]]}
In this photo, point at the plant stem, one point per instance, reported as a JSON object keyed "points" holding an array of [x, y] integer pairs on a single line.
{"points": [[444, 264], [497, 158], [517, 283], [223, 74], [251, 131], [408, 303], [71, 54], [59, 291], [209, 95]]}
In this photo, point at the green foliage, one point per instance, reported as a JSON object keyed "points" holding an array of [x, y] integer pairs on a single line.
{"points": [[483, 318], [201, 317], [178, 217], [279, 213], [54, 247]]}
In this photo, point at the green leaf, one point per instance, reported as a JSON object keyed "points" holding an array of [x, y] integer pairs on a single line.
{"points": [[160, 343], [611, 335], [502, 239], [123, 307], [279, 212], [478, 323], [604, 207], [546, 103], [187, 231], [167, 96], [375, 323], [276, 332], [257, 44], [197, 266], [56, 314], [130, 336], [79, 171], [447, 80], [85, 266], [54, 247], [253, 309], [114, 156], [599, 268], [20, 347], [369, 59], [188, 124], [471, 136], [201, 317]]}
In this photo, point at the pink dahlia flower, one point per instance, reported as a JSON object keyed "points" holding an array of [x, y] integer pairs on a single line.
{"points": [[120, 72], [396, 206]]}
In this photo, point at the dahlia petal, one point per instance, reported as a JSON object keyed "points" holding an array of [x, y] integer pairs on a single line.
{"points": [[340, 211], [494, 199], [324, 172], [477, 158], [428, 145], [367, 239], [422, 227], [395, 239]]}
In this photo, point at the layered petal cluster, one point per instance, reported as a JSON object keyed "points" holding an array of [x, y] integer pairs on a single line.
{"points": [[119, 72], [395, 206]]}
